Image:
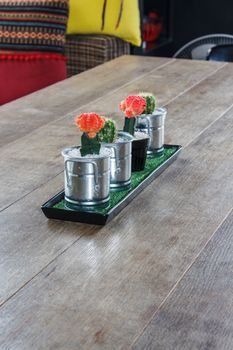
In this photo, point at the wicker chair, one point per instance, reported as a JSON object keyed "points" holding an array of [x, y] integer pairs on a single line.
{"points": [[222, 53], [199, 48]]}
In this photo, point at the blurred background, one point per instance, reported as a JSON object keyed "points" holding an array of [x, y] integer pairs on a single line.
{"points": [[167, 25]]}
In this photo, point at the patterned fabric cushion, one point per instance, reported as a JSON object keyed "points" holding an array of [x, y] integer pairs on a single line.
{"points": [[37, 25], [32, 38], [120, 18], [87, 51]]}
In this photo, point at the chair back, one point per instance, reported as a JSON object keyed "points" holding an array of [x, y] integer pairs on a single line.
{"points": [[223, 53], [199, 48]]}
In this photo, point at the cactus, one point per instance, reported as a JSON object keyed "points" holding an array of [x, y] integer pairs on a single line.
{"points": [[129, 125], [150, 102], [89, 146], [90, 124], [109, 133], [132, 106]]}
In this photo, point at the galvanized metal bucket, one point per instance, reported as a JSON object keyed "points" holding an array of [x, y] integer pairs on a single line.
{"points": [[153, 125], [87, 180], [120, 161]]}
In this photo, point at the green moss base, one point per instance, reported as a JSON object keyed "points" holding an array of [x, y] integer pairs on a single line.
{"points": [[152, 163]]}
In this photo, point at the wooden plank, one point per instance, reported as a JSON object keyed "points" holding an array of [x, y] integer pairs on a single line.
{"points": [[198, 314], [167, 82], [104, 289], [64, 97], [49, 104], [192, 109], [28, 241], [39, 151]]}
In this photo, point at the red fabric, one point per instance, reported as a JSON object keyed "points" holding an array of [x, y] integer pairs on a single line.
{"points": [[19, 77], [29, 56]]}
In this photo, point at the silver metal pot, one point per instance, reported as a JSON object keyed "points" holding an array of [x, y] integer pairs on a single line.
{"points": [[87, 180], [120, 161], [153, 125]]}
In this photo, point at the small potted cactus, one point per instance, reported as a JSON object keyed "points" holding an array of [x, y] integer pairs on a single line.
{"points": [[120, 144], [87, 168], [151, 121], [132, 107]]}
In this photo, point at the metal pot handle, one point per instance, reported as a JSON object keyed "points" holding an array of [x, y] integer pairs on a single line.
{"points": [[96, 173], [118, 169], [148, 124]]}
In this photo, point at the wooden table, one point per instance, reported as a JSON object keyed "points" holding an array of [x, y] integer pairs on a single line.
{"points": [[159, 275]]}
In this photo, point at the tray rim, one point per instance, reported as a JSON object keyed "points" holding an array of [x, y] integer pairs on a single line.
{"points": [[151, 174], [105, 218]]}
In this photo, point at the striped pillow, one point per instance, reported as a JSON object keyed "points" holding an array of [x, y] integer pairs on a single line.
{"points": [[33, 25]]}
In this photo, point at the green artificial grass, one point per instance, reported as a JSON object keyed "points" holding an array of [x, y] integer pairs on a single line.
{"points": [[152, 163]]}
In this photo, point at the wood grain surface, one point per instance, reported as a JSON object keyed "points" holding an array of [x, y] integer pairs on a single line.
{"points": [[28, 241], [102, 291], [198, 314], [39, 151], [26, 114], [73, 286]]}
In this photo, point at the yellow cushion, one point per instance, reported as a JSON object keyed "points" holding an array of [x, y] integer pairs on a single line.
{"points": [[86, 17]]}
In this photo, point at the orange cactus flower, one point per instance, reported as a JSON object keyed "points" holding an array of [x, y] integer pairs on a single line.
{"points": [[90, 123], [133, 106]]}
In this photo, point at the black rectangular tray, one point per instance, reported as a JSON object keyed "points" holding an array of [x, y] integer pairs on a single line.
{"points": [[55, 208]]}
